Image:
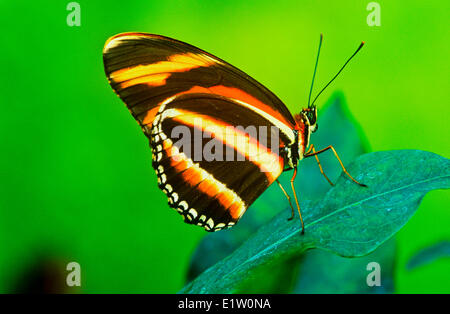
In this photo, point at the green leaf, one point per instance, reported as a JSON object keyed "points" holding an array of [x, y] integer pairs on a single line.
{"points": [[272, 278], [430, 254], [324, 272], [350, 220]]}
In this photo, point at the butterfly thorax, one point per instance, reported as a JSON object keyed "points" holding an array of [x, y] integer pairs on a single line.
{"points": [[294, 152], [305, 125]]}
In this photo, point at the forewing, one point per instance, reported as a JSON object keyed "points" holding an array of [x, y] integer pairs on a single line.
{"points": [[145, 70]]}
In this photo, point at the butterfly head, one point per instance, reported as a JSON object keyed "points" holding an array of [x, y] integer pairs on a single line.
{"points": [[306, 122], [309, 118]]}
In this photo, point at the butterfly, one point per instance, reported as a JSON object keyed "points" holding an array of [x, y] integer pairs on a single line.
{"points": [[168, 85]]}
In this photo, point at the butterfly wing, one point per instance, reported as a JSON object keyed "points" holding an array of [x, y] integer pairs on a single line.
{"points": [[212, 179], [167, 84], [146, 69]]}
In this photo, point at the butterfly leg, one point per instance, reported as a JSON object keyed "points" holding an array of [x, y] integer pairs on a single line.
{"points": [[296, 200], [289, 199], [318, 163], [337, 156]]}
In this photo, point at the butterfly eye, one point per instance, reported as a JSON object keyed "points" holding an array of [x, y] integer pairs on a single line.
{"points": [[311, 117]]}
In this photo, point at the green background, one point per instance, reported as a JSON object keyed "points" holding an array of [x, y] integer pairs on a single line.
{"points": [[76, 181]]}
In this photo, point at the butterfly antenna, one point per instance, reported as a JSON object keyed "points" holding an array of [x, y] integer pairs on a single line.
{"points": [[315, 69], [359, 48]]}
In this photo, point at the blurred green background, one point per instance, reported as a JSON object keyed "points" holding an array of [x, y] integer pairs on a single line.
{"points": [[76, 178]]}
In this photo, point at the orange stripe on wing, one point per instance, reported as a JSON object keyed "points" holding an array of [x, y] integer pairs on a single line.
{"points": [[150, 116], [204, 181], [155, 74], [150, 80]]}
